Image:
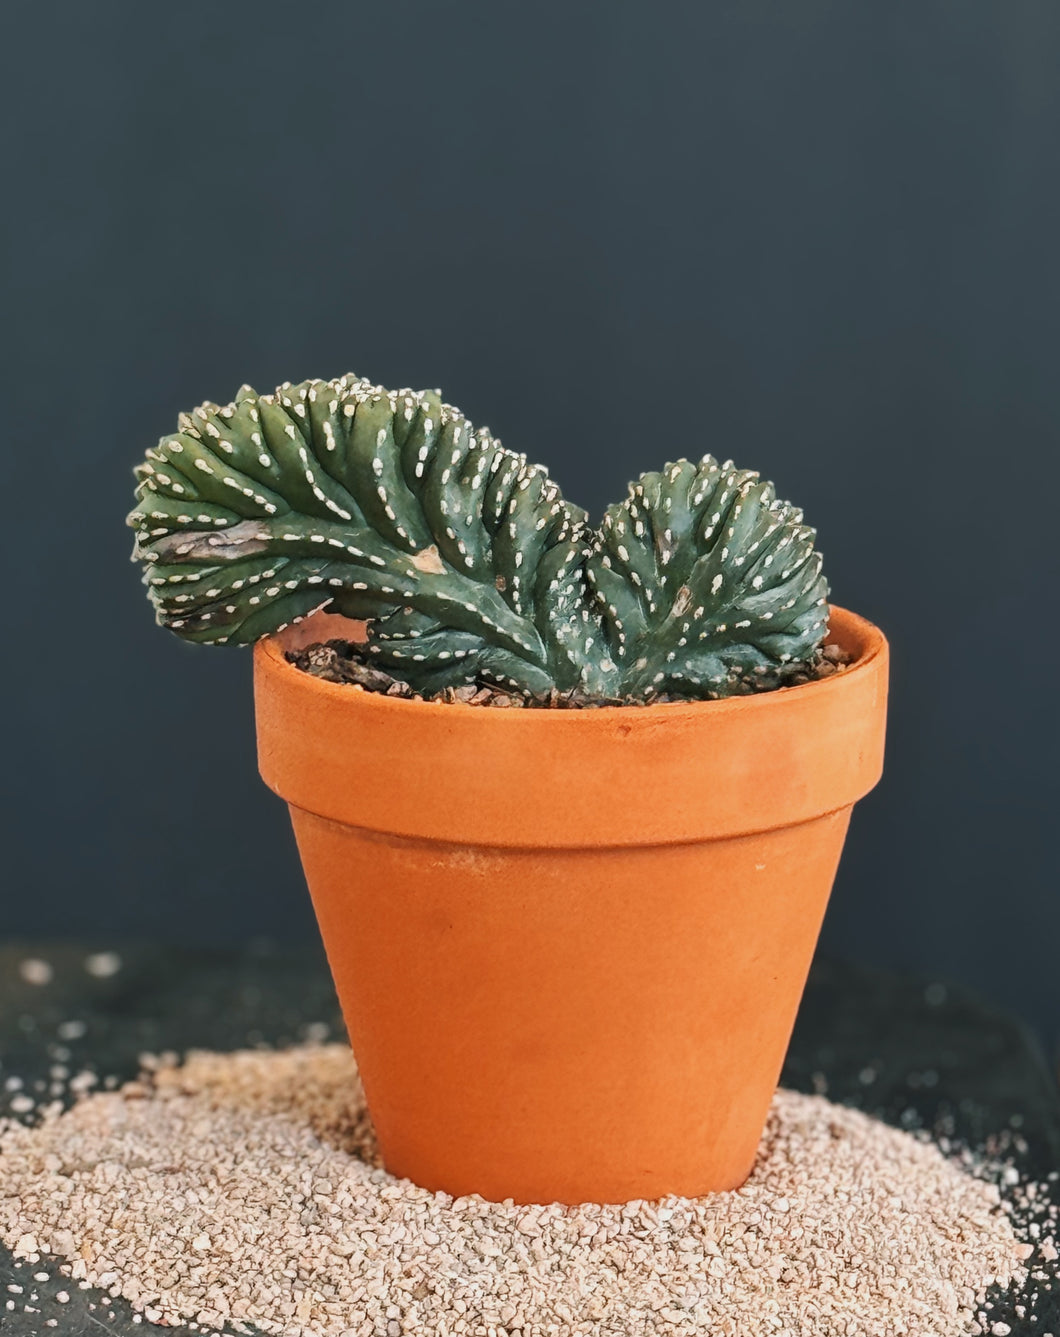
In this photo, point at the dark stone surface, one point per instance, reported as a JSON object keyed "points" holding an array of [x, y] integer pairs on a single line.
{"points": [[915, 1053]]}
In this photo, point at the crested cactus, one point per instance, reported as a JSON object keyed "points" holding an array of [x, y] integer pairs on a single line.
{"points": [[463, 558]]}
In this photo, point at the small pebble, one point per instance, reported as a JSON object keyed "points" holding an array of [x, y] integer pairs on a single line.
{"points": [[102, 965], [34, 971]]}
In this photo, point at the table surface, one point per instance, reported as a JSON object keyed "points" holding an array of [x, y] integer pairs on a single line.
{"points": [[915, 1053]]}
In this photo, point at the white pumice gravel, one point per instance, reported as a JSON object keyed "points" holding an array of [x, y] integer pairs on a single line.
{"points": [[245, 1190], [103, 965], [35, 971]]}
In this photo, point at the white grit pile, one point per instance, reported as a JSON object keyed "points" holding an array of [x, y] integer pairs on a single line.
{"points": [[245, 1189]]}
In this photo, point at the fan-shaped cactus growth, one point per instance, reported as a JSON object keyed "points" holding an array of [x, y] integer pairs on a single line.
{"points": [[464, 559]]}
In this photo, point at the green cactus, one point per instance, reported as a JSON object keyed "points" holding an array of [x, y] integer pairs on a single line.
{"points": [[465, 560]]}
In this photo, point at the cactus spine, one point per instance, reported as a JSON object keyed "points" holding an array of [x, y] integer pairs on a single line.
{"points": [[464, 559]]}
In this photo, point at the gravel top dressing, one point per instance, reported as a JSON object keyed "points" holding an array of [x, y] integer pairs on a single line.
{"points": [[245, 1190], [349, 662]]}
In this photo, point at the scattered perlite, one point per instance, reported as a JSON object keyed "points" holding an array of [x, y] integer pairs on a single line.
{"points": [[103, 964], [246, 1189], [35, 971]]}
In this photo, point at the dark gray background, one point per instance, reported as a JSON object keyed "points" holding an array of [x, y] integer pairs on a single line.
{"points": [[819, 237]]}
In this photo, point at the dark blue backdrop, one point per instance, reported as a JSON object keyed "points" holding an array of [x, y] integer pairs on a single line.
{"points": [[825, 233]]}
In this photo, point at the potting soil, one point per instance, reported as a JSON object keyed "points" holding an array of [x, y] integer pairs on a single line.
{"points": [[348, 662]]}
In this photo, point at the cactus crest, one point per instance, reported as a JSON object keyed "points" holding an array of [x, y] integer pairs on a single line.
{"points": [[464, 559]]}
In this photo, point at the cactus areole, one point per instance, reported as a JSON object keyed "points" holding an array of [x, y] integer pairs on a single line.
{"points": [[464, 559]]}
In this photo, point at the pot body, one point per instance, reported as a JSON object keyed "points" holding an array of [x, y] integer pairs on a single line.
{"points": [[570, 946]]}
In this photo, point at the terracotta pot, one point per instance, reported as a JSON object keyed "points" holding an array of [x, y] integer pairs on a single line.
{"points": [[570, 945]]}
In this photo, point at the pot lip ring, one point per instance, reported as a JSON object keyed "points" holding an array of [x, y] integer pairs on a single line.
{"points": [[844, 625], [608, 777]]}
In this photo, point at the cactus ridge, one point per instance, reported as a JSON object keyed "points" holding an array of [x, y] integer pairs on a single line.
{"points": [[463, 558]]}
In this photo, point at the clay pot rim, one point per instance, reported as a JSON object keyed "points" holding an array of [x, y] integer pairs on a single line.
{"points": [[869, 643], [688, 770]]}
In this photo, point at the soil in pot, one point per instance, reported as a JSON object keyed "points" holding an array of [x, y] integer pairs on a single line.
{"points": [[346, 661]]}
